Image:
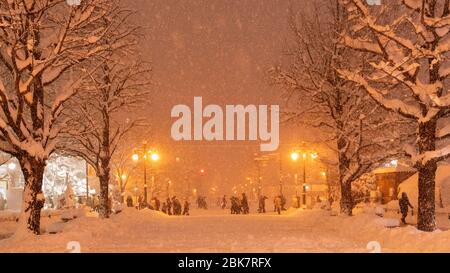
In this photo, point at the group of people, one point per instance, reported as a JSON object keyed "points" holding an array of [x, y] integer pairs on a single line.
{"points": [[241, 205], [238, 205], [172, 206], [201, 202]]}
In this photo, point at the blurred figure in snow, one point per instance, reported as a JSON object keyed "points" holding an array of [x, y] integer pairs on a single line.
{"points": [[283, 202], [235, 205], [176, 206], [404, 204], [262, 204], [157, 203], [186, 208], [277, 204], [164, 207], [244, 204], [140, 202], [224, 202], [169, 206], [129, 201]]}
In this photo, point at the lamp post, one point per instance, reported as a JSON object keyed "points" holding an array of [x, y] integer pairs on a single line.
{"points": [[295, 155], [146, 155]]}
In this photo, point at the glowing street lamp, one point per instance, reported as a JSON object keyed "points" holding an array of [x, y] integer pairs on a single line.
{"points": [[295, 156], [146, 155], [135, 157], [154, 156]]}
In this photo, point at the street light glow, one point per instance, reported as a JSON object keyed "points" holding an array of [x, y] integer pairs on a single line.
{"points": [[124, 176], [294, 156], [155, 156], [135, 157]]}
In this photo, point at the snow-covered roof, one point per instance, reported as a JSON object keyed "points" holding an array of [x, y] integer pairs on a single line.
{"points": [[397, 169]]}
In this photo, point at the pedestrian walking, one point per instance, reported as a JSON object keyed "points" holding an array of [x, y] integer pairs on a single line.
{"points": [[262, 204], [404, 204], [186, 208], [278, 204], [244, 204]]}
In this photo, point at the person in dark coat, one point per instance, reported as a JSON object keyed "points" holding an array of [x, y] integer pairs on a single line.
{"points": [[235, 205], [224, 202], [164, 207], [157, 204], [283, 202], [186, 208], [244, 204], [277, 204], [176, 206], [262, 204], [169, 206], [404, 204], [129, 201]]}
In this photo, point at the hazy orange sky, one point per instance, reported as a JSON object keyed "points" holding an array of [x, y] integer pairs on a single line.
{"points": [[220, 50]]}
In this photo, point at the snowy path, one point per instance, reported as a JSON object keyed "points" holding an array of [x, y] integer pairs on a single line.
{"points": [[216, 231]]}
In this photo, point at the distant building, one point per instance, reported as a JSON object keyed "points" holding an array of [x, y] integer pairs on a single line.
{"points": [[389, 177]]}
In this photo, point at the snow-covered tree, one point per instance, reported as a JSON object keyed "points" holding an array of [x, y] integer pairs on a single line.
{"points": [[354, 126], [363, 186], [123, 166], [42, 42], [408, 72], [104, 112]]}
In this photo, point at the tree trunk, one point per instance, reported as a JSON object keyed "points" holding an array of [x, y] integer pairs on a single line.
{"points": [[427, 174], [104, 207], [346, 202], [346, 199], [33, 197]]}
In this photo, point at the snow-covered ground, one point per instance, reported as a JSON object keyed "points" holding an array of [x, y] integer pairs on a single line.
{"points": [[217, 231]]}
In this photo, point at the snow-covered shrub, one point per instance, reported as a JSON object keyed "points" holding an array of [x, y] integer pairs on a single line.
{"points": [[363, 186]]}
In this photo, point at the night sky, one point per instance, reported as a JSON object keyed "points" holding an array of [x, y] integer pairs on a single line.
{"points": [[220, 50]]}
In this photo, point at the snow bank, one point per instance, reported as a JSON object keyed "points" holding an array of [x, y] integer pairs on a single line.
{"points": [[12, 215], [217, 231]]}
